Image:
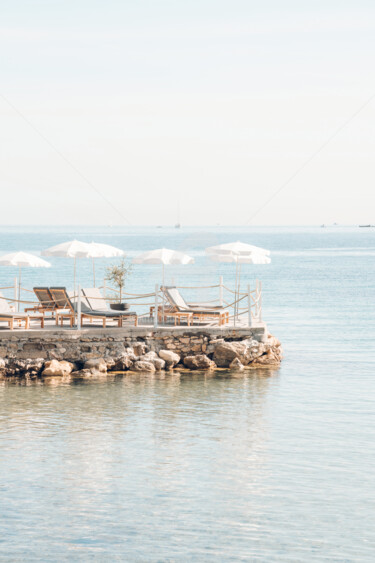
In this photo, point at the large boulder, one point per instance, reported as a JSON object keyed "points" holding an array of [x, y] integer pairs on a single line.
{"points": [[143, 366], [245, 350], [272, 357], [159, 364], [200, 361], [125, 361], [226, 352], [154, 359], [21, 367], [171, 358], [54, 367]]}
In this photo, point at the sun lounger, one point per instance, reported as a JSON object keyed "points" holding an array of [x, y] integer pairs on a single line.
{"points": [[178, 306], [46, 301], [69, 309], [99, 308], [9, 316]]}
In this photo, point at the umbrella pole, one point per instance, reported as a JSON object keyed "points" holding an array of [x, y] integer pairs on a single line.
{"points": [[163, 293], [235, 296], [239, 288], [74, 277], [19, 289]]}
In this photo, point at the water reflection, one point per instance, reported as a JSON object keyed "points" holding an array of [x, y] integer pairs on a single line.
{"points": [[142, 447]]}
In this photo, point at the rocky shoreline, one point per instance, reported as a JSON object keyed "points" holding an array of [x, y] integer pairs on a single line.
{"points": [[84, 356]]}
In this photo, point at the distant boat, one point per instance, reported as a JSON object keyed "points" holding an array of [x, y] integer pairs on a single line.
{"points": [[366, 226], [322, 226], [177, 226]]}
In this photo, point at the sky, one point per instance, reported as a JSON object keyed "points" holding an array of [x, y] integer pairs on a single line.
{"points": [[149, 112]]}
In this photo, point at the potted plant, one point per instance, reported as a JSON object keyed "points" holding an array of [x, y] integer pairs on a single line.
{"points": [[117, 274]]}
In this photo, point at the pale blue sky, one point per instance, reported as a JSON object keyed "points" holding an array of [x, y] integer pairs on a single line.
{"points": [[215, 103]]}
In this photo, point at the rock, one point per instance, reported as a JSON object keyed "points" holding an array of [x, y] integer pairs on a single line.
{"points": [[272, 341], [201, 361], [149, 357], [270, 358], [54, 367], [143, 366], [110, 362], [171, 358], [159, 364], [97, 365], [236, 365], [140, 349], [82, 373], [226, 352], [124, 362], [153, 358], [34, 367], [246, 351]]}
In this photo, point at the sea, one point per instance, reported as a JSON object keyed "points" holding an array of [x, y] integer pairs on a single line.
{"points": [[267, 465]]}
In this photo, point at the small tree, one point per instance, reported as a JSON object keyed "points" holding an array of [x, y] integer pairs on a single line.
{"points": [[118, 274]]}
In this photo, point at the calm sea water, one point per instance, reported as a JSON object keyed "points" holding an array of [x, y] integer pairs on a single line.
{"points": [[268, 466]]}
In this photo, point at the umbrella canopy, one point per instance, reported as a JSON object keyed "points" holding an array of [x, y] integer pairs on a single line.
{"points": [[241, 259], [238, 248], [69, 249], [163, 256], [23, 260], [238, 253], [99, 250]]}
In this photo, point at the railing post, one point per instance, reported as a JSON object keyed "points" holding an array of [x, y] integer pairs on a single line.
{"points": [[156, 306], [260, 302], [221, 291], [16, 303], [79, 308], [249, 303]]}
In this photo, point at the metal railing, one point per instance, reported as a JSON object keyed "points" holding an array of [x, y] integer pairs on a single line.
{"points": [[241, 307]]}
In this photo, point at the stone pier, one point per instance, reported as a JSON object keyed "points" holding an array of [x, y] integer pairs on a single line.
{"points": [[38, 353]]}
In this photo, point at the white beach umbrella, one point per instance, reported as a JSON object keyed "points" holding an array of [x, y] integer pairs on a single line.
{"points": [[23, 260], [243, 259], [70, 249], [99, 250], [238, 248], [238, 253], [163, 256]]}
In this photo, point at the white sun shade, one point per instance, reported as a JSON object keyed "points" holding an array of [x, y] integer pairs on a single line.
{"points": [[237, 248], [99, 250], [23, 260], [69, 249], [163, 256], [252, 258]]}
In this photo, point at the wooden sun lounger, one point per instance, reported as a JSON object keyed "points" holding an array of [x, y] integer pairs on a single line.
{"points": [[46, 302], [9, 316], [178, 306], [68, 310]]}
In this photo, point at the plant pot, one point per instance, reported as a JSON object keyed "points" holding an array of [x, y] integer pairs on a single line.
{"points": [[120, 306]]}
